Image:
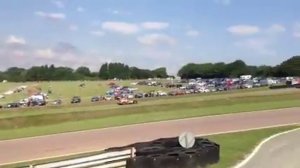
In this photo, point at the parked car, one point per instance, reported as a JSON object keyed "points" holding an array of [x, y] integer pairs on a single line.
{"points": [[247, 86], [161, 93], [139, 95], [125, 101], [212, 89], [176, 92], [108, 98], [12, 105], [130, 96], [204, 90], [220, 88], [76, 99], [37, 103], [150, 94], [187, 91], [57, 102], [95, 99], [172, 93], [256, 84], [24, 102]]}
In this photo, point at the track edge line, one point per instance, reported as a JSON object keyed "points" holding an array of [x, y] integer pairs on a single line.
{"points": [[259, 146]]}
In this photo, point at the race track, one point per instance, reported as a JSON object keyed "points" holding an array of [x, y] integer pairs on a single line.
{"points": [[86, 141], [281, 151]]}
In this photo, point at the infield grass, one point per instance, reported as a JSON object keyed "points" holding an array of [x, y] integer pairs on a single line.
{"points": [[27, 122], [124, 118]]}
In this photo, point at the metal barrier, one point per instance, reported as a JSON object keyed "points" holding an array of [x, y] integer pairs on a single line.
{"points": [[159, 153], [114, 159]]}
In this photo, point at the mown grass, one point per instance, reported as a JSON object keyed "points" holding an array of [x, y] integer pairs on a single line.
{"points": [[139, 117], [65, 90], [4, 113], [234, 147], [57, 118], [26, 122]]}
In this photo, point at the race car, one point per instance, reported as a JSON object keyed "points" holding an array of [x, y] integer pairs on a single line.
{"points": [[124, 101]]}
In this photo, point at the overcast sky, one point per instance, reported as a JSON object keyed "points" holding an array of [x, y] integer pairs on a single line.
{"points": [[147, 33]]}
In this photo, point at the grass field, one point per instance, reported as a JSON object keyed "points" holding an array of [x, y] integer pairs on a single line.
{"points": [[65, 90], [234, 146], [41, 121], [26, 122]]}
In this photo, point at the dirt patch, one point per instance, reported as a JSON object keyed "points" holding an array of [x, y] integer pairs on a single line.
{"points": [[33, 89]]}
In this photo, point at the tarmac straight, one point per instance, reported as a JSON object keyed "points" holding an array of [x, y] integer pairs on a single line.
{"points": [[34, 148]]}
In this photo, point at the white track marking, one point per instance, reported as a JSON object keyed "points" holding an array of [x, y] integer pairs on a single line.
{"points": [[217, 133], [257, 148], [154, 122]]}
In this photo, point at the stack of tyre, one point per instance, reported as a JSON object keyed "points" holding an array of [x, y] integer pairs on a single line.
{"points": [[167, 153]]}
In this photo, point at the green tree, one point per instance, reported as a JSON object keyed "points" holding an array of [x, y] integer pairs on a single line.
{"points": [[137, 73], [264, 71], [188, 71], [2, 76], [104, 72], [15, 74], [160, 72], [217, 70], [290, 67], [64, 73], [236, 69], [84, 71]]}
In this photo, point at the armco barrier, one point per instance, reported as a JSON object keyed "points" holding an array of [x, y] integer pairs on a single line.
{"points": [[114, 159], [160, 153]]}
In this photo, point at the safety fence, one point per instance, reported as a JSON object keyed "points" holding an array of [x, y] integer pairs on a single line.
{"points": [[114, 159]]}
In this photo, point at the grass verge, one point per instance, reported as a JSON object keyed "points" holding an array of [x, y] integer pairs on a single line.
{"points": [[136, 118], [235, 146]]}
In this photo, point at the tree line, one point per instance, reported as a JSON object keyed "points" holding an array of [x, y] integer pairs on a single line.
{"points": [[122, 71], [290, 67], [52, 73]]}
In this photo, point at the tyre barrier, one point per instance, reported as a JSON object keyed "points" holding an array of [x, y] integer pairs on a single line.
{"points": [[167, 153]]}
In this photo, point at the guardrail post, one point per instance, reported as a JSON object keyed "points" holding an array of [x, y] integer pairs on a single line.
{"points": [[132, 151]]}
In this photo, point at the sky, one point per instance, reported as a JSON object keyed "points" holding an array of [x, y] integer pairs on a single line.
{"points": [[147, 33]]}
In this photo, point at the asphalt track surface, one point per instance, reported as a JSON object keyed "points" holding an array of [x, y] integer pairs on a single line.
{"points": [[26, 149], [280, 152]]}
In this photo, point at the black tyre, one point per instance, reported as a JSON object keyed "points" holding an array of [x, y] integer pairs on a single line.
{"points": [[151, 150]]}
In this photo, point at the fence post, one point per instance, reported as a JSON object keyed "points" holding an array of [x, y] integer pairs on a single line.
{"points": [[132, 151]]}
